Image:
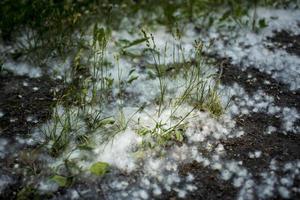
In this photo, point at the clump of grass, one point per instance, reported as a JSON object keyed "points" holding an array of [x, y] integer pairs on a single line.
{"points": [[195, 91], [213, 102], [74, 128], [60, 130], [162, 133], [52, 27], [30, 192], [150, 43], [79, 114], [207, 95]]}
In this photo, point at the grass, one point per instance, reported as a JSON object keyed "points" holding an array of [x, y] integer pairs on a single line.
{"points": [[157, 62], [162, 133], [58, 132], [88, 90], [79, 110], [52, 27], [43, 30], [200, 89]]}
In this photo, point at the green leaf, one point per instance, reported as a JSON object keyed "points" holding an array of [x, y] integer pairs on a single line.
{"points": [[179, 136], [87, 147], [60, 180], [139, 154], [106, 121], [123, 42], [28, 193], [132, 78], [131, 71], [151, 73], [109, 81], [135, 42], [99, 168], [225, 16], [262, 23], [143, 132]]}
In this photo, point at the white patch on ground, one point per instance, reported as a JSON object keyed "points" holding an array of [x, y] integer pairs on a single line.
{"points": [[1, 114], [23, 69], [255, 154], [290, 116], [35, 89], [4, 182], [31, 119], [248, 49], [270, 129], [244, 104], [47, 186], [3, 144], [117, 152]]}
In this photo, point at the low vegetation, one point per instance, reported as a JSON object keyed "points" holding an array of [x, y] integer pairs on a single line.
{"points": [[91, 108]]}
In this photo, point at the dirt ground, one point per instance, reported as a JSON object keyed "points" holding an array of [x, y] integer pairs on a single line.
{"points": [[21, 97]]}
